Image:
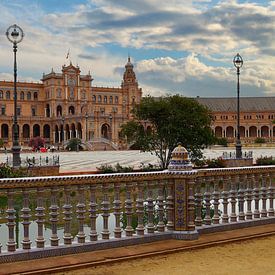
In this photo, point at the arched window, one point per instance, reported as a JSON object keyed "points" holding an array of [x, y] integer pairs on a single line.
{"points": [[99, 98], [94, 98], [58, 92], [116, 99], [111, 100], [22, 96], [8, 95], [1, 94], [35, 95], [71, 110], [58, 110], [105, 99], [29, 96]]}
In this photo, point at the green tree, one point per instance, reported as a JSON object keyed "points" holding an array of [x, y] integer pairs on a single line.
{"points": [[173, 119], [37, 142], [74, 144]]}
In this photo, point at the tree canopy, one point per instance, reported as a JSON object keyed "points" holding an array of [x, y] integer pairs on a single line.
{"points": [[160, 124]]}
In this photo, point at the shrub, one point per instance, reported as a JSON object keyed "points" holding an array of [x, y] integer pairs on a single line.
{"points": [[149, 167], [221, 141], [74, 144], [265, 161], [9, 172], [37, 142], [105, 168], [259, 140], [215, 163]]}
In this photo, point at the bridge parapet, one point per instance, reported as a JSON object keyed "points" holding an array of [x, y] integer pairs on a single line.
{"points": [[89, 212]]}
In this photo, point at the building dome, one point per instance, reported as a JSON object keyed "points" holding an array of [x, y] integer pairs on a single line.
{"points": [[180, 159]]}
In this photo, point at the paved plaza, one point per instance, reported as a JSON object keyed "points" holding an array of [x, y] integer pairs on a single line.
{"points": [[90, 160]]}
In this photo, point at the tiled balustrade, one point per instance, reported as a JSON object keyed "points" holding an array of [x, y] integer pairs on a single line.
{"points": [[144, 207]]}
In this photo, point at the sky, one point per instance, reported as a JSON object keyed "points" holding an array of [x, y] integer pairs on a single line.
{"points": [[177, 47]]}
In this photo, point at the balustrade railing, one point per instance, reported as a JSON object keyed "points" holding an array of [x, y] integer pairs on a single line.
{"points": [[68, 214]]}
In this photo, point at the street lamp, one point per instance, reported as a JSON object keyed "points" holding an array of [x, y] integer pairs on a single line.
{"points": [[111, 126], [86, 117], [238, 63], [63, 140], [15, 35]]}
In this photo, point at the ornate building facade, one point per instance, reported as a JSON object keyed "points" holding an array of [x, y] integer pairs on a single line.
{"points": [[257, 117], [65, 105]]}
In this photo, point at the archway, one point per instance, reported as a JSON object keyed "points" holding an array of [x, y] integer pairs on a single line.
{"points": [[58, 110], [218, 132], [67, 130], [253, 131], [73, 130], [56, 134], [4, 131], [26, 131], [229, 131], [265, 131], [46, 131], [71, 110], [79, 130], [36, 130], [106, 131], [242, 131]]}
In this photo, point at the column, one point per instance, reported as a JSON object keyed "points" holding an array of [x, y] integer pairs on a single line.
{"points": [[40, 215], [140, 208], [81, 214], [117, 210], [129, 209], [105, 208]]}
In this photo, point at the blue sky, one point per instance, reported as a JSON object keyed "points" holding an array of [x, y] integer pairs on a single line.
{"points": [[177, 46]]}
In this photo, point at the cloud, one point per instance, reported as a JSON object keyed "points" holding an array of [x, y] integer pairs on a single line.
{"points": [[208, 35]]}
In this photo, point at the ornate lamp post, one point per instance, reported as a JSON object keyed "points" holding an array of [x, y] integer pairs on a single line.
{"points": [[111, 126], [15, 35], [86, 117], [238, 63], [63, 122]]}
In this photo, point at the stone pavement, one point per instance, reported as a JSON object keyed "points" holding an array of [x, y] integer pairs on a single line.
{"points": [[90, 160], [84, 260]]}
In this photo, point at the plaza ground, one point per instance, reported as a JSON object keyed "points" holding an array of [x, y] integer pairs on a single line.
{"points": [[241, 251], [254, 257], [90, 160]]}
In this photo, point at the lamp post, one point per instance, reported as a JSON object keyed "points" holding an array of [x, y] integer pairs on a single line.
{"points": [[238, 63], [63, 140], [86, 117], [15, 35], [111, 126]]}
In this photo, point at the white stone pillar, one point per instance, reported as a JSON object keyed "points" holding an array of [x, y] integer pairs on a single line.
{"points": [[54, 136], [59, 136], [64, 135], [70, 134], [76, 133]]}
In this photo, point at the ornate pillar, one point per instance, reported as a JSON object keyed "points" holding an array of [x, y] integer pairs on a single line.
{"points": [[40, 214], [26, 243], [160, 203], [207, 199], [225, 195], [129, 209], [117, 210], [242, 179], [233, 201], [140, 208], [67, 207], [150, 208], [105, 207], [11, 244], [263, 195], [256, 196], [216, 197], [198, 201], [54, 216], [248, 196], [270, 195], [170, 205], [191, 204], [93, 212], [81, 214]]}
